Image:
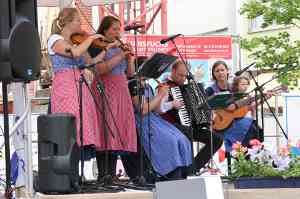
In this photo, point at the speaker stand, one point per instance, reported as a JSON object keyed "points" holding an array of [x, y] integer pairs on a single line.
{"points": [[8, 189]]}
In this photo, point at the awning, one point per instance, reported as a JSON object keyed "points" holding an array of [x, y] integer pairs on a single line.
{"points": [[54, 3], [66, 3]]}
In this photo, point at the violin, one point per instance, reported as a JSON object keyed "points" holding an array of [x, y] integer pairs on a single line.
{"points": [[100, 43], [78, 38]]}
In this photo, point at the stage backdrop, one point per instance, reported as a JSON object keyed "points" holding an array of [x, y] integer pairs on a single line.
{"points": [[200, 51]]}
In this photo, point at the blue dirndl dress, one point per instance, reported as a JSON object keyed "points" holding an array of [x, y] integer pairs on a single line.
{"points": [[237, 131], [166, 147]]}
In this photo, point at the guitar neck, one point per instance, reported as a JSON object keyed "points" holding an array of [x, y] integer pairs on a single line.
{"points": [[247, 101]]}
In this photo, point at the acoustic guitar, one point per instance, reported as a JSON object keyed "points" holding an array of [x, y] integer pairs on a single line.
{"points": [[223, 118]]}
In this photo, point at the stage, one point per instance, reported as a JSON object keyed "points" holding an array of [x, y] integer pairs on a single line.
{"points": [[121, 195], [229, 193]]}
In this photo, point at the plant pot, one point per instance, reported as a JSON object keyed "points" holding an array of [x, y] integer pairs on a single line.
{"points": [[266, 182]]}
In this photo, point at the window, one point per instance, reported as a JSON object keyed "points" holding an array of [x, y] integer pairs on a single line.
{"points": [[255, 25]]}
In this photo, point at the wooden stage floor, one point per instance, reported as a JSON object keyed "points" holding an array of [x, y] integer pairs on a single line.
{"points": [[229, 193]]}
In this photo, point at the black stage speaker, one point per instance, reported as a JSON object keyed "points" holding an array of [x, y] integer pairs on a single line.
{"points": [[20, 55], [58, 153]]}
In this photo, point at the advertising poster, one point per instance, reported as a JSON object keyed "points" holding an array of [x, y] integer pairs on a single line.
{"points": [[199, 51]]}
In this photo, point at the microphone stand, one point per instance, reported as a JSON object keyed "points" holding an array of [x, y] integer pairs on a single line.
{"points": [[141, 179], [107, 179], [205, 104], [82, 81], [257, 90]]}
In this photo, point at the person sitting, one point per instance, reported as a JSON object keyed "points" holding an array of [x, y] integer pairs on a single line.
{"points": [[197, 132], [168, 150], [241, 129]]}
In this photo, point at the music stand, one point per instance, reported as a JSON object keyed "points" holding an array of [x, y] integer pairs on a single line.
{"points": [[223, 99], [156, 65], [151, 68], [215, 102]]}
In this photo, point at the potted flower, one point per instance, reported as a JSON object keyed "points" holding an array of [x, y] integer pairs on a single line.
{"points": [[258, 167]]}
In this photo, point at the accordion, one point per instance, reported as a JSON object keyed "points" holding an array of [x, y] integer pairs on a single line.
{"points": [[195, 110]]}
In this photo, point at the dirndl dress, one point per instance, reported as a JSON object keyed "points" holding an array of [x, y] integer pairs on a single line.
{"points": [[115, 110]]}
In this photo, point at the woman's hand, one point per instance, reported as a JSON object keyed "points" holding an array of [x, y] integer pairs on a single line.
{"points": [[114, 44], [95, 36], [89, 75], [129, 52], [231, 107]]}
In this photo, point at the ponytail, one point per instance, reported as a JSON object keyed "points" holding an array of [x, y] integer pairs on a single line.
{"points": [[56, 27], [65, 16]]}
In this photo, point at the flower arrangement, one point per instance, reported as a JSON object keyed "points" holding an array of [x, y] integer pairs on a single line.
{"points": [[257, 161]]}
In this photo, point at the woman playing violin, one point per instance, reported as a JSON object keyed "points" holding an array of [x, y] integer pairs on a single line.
{"points": [[118, 109], [65, 58]]}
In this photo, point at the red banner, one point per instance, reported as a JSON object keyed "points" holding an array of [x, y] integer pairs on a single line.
{"points": [[191, 47]]}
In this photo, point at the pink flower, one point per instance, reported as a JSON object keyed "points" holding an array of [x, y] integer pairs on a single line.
{"points": [[298, 143], [284, 151], [255, 142], [237, 146]]}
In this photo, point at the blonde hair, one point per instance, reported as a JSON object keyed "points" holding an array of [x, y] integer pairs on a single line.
{"points": [[236, 82], [65, 16]]}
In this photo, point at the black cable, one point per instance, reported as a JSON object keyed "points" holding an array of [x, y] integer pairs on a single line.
{"points": [[81, 122], [93, 96], [140, 129], [2, 130], [0, 149], [105, 100], [184, 43], [149, 126], [147, 86]]}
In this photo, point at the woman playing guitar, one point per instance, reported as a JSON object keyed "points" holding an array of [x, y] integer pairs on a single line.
{"points": [[240, 129], [241, 85]]}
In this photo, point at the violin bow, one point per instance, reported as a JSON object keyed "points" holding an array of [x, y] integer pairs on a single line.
{"points": [[84, 16]]}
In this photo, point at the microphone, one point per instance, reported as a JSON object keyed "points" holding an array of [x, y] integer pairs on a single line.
{"points": [[256, 72], [163, 41], [238, 73], [133, 27]]}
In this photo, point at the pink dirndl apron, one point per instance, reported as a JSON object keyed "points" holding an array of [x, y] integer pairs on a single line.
{"points": [[65, 99], [120, 131]]}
